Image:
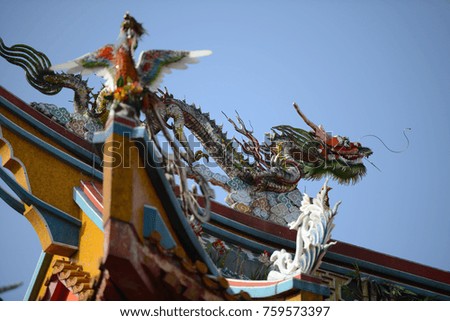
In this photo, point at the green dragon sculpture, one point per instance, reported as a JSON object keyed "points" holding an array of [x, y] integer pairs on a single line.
{"points": [[288, 155], [261, 178]]}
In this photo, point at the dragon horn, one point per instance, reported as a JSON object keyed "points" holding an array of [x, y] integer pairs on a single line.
{"points": [[319, 131]]}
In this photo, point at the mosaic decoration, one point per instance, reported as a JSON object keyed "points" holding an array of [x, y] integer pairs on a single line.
{"points": [[82, 125], [261, 178], [234, 261]]}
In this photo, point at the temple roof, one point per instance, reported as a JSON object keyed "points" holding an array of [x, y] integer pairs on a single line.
{"points": [[150, 248]]}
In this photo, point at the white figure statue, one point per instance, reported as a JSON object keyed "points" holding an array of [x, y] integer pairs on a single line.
{"points": [[314, 226]]}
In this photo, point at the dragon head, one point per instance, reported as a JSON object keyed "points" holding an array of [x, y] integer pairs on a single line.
{"points": [[342, 159], [321, 153]]}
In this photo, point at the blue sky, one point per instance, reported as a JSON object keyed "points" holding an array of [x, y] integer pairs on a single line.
{"points": [[357, 67]]}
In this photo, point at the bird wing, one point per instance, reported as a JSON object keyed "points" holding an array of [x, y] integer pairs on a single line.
{"points": [[100, 62], [153, 64]]}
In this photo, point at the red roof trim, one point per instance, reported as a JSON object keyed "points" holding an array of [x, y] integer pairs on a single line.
{"points": [[390, 261], [121, 120], [45, 120], [253, 221], [93, 191]]}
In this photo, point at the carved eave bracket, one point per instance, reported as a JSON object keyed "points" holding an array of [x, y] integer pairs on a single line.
{"points": [[68, 281]]}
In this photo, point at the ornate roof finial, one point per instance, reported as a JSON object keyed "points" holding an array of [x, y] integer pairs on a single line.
{"points": [[130, 24]]}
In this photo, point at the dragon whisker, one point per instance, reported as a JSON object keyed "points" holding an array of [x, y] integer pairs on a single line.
{"points": [[373, 164]]}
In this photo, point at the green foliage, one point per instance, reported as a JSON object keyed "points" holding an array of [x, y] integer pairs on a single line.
{"points": [[120, 82]]}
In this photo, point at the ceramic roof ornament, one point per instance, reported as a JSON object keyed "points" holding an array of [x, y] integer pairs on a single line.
{"points": [[313, 226], [261, 177], [114, 61]]}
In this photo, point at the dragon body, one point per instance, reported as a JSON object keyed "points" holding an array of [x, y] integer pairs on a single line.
{"points": [[277, 165], [262, 178]]}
